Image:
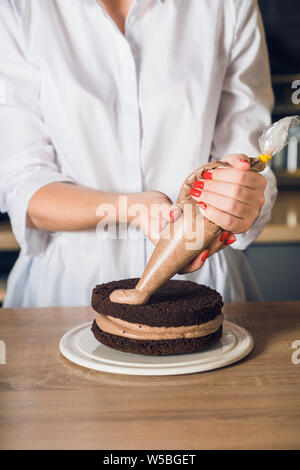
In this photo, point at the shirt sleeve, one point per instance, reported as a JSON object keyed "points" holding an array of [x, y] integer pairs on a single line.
{"points": [[246, 104], [28, 159]]}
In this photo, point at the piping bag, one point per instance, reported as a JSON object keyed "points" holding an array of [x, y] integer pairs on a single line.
{"points": [[191, 233]]}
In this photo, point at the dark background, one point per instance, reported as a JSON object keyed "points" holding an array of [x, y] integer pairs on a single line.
{"points": [[282, 24]]}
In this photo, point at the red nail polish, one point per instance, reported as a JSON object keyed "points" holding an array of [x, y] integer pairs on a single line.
{"points": [[171, 216], [230, 241], [204, 256], [198, 184], [224, 236], [195, 192], [244, 161], [202, 205], [207, 175]]}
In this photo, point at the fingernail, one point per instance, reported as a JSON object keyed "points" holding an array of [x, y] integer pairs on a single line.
{"points": [[172, 216], [198, 184], [230, 241], [202, 205], [195, 192], [244, 161], [204, 256], [207, 175], [224, 236]]}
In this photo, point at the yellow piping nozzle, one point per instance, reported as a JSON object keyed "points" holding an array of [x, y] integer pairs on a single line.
{"points": [[265, 158]]}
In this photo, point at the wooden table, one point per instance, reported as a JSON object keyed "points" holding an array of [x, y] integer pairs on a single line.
{"points": [[48, 402]]}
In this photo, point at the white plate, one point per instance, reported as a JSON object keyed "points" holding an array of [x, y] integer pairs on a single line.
{"points": [[80, 346]]}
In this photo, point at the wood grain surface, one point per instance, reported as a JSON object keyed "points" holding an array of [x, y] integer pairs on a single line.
{"points": [[46, 402]]}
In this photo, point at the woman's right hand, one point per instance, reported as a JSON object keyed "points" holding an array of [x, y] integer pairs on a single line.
{"points": [[151, 211], [155, 212]]}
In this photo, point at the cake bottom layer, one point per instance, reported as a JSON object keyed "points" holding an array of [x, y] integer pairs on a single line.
{"points": [[155, 347]]}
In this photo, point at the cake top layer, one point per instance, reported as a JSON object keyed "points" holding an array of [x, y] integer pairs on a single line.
{"points": [[176, 303]]}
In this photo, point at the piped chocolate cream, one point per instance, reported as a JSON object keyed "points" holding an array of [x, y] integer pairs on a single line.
{"points": [[118, 327]]}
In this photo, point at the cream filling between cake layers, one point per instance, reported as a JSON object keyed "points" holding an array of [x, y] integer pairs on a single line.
{"points": [[116, 326]]}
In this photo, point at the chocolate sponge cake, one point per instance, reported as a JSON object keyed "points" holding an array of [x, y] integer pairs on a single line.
{"points": [[180, 317]]}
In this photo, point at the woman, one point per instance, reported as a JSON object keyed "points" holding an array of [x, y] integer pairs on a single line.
{"points": [[127, 97]]}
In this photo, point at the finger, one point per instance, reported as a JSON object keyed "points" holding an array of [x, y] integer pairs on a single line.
{"points": [[162, 210], [240, 161], [231, 190], [234, 175], [196, 263], [226, 221], [226, 204], [175, 213], [221, 242], [225, 239]]}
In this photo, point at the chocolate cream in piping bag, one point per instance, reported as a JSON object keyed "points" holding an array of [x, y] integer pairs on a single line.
{"points": [[191, 233]]}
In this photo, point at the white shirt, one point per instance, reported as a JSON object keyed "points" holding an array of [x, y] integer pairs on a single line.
{"points": [[81, 102]]}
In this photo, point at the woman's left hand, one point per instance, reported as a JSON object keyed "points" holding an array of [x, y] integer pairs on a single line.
{"points": [[231, 197], [223, 240]]}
